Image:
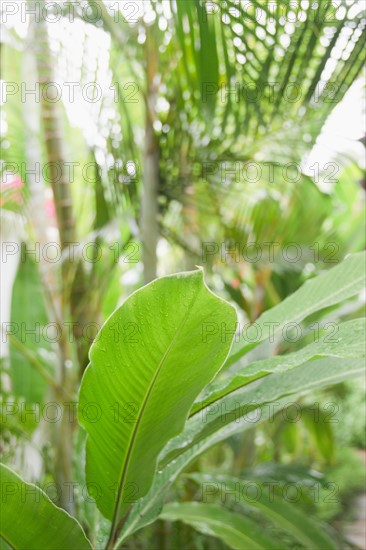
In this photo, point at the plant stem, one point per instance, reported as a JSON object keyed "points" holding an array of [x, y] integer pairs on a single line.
{"points": [[151, 176]]}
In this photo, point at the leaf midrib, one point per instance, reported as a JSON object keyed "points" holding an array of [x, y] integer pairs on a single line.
{"points": [[2, 536], [133, 437]]}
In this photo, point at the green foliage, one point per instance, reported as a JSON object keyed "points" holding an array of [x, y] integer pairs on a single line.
{"points": [[342, 282], [32, 347], [215, 86], [234, 529], [30, 520], [151, 361], [154, 355], [352, 430], [162, 368], [346, 479], [283, 515], [348, 344]]}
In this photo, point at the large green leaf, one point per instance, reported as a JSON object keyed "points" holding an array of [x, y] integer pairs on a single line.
{"points": [[284, 515], [276, 387], [234, 529], [30, 520], [342, 282], [348, 341], [147, 365]]}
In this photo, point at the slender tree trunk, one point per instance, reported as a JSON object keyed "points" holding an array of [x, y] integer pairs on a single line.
{"points": [[33, 155], [57, 173], [149, 206], [75, 304], [39, 222]]}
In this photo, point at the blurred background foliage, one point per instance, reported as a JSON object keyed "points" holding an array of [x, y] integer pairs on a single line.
{"points": [[205, 139]]}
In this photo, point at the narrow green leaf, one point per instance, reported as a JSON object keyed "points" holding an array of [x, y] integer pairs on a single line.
{"points": [[347, 342], [147, 365], [342, 282], [284, 515], [27, 382], [208, 58], [30, 520], [234, 529], [245, 406]]}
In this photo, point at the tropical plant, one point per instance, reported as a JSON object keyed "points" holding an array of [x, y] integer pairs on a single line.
{"points": [[194, 93], [160, 389]]}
